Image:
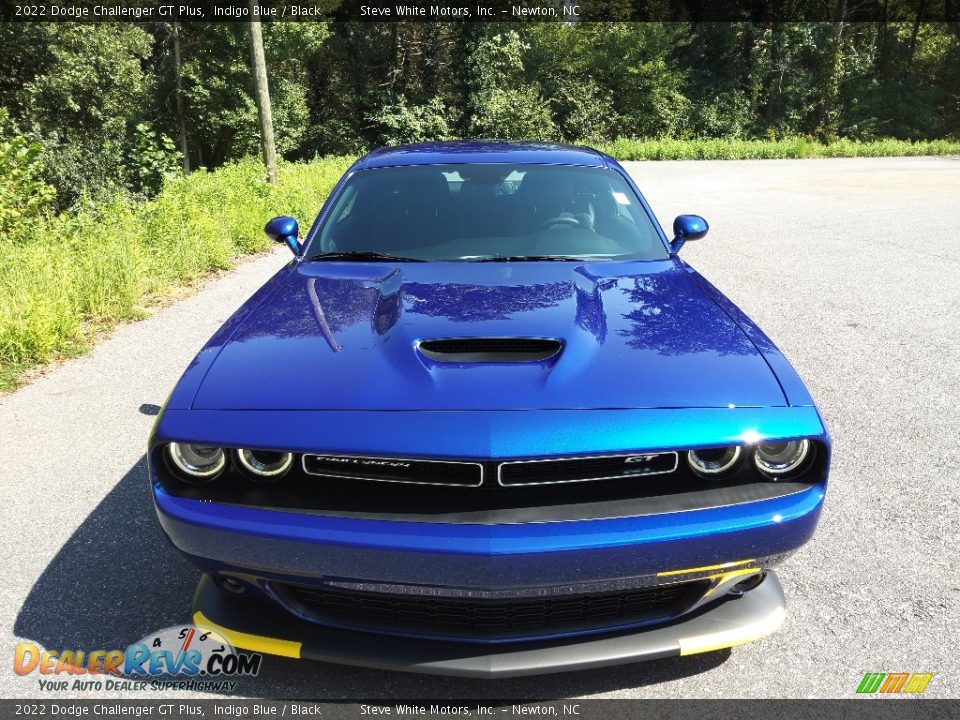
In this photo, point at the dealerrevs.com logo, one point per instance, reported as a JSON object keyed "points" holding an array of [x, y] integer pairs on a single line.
{"points": [[186, 657]]}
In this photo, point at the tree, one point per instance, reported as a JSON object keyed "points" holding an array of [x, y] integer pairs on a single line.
{"points": [[501, 104], [402, 123], [178, 90], [100, 102], [833, 76], [262, 95], [83, 101]]}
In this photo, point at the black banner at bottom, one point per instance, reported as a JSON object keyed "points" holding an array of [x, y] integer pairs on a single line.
{"points": [[874, 708]]}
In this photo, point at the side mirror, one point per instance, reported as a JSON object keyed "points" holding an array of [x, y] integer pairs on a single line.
{"points": [[286, 230], [687, 227]]}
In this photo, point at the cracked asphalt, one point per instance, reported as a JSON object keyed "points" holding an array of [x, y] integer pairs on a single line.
{"points": [[852, 266]]}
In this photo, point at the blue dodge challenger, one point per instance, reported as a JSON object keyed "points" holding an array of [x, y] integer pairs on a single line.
{"points": [[486, 422]]}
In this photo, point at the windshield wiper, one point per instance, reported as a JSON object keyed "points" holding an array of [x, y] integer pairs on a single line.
{"points": [[522, 258], [363, 255]]}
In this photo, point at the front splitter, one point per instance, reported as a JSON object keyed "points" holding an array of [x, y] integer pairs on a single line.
{"points": [[252, 626]]}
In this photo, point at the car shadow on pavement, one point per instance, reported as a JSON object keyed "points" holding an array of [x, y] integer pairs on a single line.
{"points": [[118, 578]]}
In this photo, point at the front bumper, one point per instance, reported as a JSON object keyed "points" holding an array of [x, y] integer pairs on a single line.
{"points": [[476, 553], [594, 552], [259, 627], [264, 543]]}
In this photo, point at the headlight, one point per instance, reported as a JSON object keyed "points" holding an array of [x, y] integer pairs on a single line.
{"points": [[197, 463], [264, 465], [782, 457], [711, 462]]}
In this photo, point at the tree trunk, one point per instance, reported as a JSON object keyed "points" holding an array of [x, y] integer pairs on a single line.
{"points": [[912, 48], [771, 111], [181, 120], [833, 76], [262, 96], [880, 61]]}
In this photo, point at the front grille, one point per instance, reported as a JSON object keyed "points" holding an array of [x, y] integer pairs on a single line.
{"points": [[478, 350], [483, 619], [511, 473], [399, 470], [563, 470]]}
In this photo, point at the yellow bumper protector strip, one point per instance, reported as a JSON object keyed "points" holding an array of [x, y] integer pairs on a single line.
{"points": [[705, 568], [737, 636], [253, 643]]}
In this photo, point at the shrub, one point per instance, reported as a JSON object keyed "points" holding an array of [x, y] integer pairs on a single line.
{"points": [[502, 105], [402, 123], [585, 111], [151, 160], [84, 273], [792, 147], [23, 193], [510, 113]]}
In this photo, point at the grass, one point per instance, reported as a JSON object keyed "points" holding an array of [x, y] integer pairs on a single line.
{"points": [[64, 280], [796, 147]]}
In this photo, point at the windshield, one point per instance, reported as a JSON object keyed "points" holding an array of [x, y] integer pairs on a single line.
{"points": [[488, 212]]}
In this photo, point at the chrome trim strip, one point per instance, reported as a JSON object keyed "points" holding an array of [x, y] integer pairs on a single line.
{"points": [[676, 464], [303, 464]]}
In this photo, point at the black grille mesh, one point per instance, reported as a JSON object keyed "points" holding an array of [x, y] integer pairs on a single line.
{"points": [[492, 619], [591, 468], [490, 349]]}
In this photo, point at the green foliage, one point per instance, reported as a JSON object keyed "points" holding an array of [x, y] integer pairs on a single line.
{"points": [[86, 272], [511, 113], [23, 193], [403, 123], [83, 104], [501, 105], [84, 90], [651, 95], [585, 112], [785, 148], [94, 108], [613, 79], [221, 113], [153, 158]]}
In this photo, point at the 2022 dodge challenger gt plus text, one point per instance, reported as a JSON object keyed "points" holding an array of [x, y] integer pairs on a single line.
{"points": [[486, 422]]}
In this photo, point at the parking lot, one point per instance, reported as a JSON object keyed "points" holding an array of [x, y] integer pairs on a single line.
{"points": [[852, 266]]}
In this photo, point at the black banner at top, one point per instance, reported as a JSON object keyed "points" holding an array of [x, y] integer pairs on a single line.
{"points": [[571, 11]]}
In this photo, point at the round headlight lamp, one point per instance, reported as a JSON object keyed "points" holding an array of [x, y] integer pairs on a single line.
{"points": [[781, 457], [197, 463], [264, 465], [711, 462]]}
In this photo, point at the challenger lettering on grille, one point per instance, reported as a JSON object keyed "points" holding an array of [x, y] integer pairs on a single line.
{"points": [[401, 470], [361, 461]]}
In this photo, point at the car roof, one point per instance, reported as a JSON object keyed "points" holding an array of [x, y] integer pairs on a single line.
{"points": [[484, 151]]}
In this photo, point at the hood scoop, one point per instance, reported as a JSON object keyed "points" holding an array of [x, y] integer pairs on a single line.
{"points": [[490, 349]]}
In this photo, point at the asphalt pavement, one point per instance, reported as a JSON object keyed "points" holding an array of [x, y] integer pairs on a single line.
{"points": [[852, 266]]}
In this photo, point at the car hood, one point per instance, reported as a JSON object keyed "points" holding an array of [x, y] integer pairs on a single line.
{"points": [[343, 336]]}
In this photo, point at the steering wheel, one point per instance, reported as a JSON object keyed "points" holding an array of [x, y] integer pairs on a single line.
{"points": [[567, 220]]}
